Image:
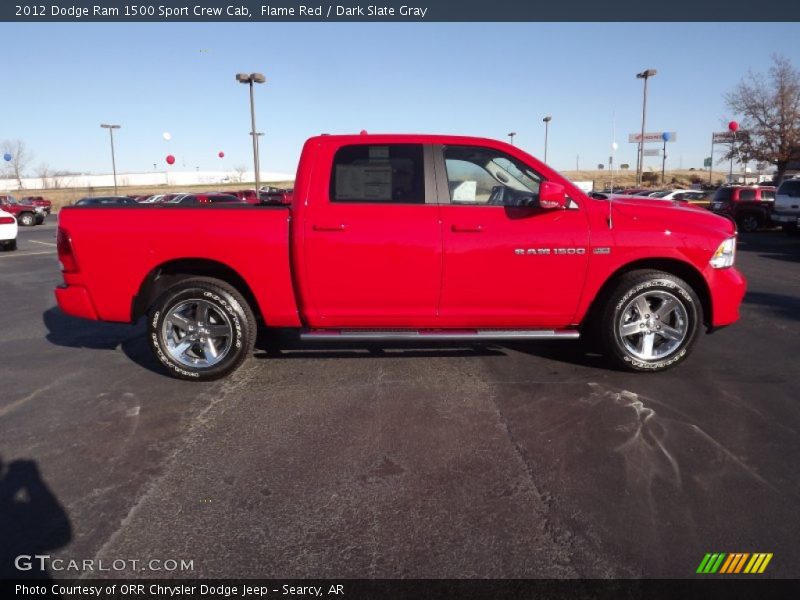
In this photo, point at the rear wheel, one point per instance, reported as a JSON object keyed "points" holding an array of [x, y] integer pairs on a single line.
{"points": [[10, 245], [201, 329], [650, 321], [27, 219], [749, 222]]}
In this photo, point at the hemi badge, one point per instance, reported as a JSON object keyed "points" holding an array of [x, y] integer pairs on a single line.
{"points": [[601, 251]]}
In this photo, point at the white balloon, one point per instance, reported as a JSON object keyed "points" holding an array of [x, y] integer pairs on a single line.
{"points": [[167, 135], [614, 146]]}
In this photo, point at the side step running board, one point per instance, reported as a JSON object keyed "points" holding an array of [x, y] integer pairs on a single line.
{"points": [[399, 335]]}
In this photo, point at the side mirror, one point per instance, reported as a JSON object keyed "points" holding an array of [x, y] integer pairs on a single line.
{"points": [[552, 195]]}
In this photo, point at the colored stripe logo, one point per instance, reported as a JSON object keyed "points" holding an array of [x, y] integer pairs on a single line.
{"points": [[734, 563]]}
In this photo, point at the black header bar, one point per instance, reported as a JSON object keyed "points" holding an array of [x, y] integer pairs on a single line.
{"points": [[392, 11]]}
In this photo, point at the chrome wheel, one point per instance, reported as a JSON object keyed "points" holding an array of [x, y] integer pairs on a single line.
{"points": [[196, 333], [653, 325]]}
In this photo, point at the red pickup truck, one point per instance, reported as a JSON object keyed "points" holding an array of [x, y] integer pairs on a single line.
{"points": [[406, 237]]}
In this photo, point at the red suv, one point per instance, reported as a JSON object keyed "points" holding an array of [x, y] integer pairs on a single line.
{"points": [[750, 206], [26, 214], [46, 204]]}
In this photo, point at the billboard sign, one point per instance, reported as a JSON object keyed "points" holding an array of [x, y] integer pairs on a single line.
{"points": [[634, 138]]}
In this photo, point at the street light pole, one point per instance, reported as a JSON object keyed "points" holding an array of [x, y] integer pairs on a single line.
{"points": [[640, 166], [546, 121], [111, 129], [511, 137], [250, 80]]}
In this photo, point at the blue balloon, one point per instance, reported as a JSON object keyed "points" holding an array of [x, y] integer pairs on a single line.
{"points": [[7, 157], [665, 136]]}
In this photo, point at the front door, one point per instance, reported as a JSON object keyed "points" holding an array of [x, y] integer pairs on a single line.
{"points": [[507, 262]]}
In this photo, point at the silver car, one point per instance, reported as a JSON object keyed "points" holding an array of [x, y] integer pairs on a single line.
{"points": [[786, 211]]}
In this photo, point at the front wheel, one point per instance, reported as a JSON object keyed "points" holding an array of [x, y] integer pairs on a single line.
{"points": [[201, 329], [650, 321]]}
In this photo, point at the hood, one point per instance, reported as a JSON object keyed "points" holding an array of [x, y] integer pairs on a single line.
{"points": [[672, 214]]}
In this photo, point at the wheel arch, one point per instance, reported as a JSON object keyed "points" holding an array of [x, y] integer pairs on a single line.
{"points": [[679, 268], [167, 274]]}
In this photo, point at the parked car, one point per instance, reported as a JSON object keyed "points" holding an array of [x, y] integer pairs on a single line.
{"points": [[786, 212], [26, 214], [46, 204], [748, 205], [208, 198], [249, 196], [106, 200], [378, 244], [8, 231], [153, 199], [697, 197]]}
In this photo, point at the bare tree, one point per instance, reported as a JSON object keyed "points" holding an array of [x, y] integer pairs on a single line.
{"points": [[20, 159], [770, 107], [43, 173], [239, 173]]}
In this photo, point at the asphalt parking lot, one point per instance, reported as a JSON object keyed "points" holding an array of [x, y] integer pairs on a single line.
{"points": [[514, 461]]}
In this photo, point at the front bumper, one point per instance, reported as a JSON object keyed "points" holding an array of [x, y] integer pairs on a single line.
{"points": [[727, 287], [785, 218], [74, 300]]}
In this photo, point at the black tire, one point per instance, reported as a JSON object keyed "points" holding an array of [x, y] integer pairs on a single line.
{"points": [[231, 310], [660, 291], [10, 245], [749, 222], [790, 229], [28, 219]]}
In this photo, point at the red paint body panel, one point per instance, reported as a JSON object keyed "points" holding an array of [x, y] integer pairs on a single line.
{"points": [[74, 300], [116, 248], [324, 265]]}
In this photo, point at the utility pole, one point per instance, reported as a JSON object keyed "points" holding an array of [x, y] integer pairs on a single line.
{"points": [[647, 74], [111, 129]]}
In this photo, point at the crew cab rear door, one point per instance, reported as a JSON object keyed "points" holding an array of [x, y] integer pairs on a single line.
{"points": [[507, 262], [373, 247]]}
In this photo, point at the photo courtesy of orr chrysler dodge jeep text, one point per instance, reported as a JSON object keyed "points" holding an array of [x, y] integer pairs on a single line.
{"points": [[406, 237]]}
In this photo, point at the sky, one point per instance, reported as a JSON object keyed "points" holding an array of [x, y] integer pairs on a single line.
{"points": [[61, 80]]}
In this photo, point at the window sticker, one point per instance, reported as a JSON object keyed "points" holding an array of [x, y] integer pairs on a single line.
{"points": [[364, 182]]}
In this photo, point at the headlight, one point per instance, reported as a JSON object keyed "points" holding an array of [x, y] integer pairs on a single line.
{"points": [[724, 255]]}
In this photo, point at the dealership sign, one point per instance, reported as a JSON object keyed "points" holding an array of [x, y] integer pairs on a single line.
{"points": [[728, 137], [635, 138]]}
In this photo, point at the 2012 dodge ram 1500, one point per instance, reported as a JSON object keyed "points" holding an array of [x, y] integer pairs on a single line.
{"points": [[406, 237]]}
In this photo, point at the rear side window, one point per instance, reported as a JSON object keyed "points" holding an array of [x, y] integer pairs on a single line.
{"points": [[722, 194], [767, 195], [392, 173], [747, 195], [790, 188]]}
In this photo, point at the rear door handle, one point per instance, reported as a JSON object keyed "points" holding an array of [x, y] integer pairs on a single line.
{"points": [[466, 228], [329, 227]]}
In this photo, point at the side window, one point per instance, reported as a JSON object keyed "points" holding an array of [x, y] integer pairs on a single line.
{"points": [[790, 188], [485, 177], [767, 195], [391, 173], [747, 195], [722, 194]]}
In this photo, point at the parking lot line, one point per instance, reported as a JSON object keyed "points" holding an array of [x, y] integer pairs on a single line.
{"points": [[27, 253], [43, 243]]}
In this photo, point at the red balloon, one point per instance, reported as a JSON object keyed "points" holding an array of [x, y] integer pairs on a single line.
{"points": [[170, 159], [221, 155], [733, 126]]}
